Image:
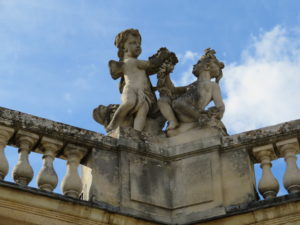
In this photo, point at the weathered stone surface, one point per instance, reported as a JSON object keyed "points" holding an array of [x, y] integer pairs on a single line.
{"points": [[116, 170], [237, 169], [195, 173], [194, 134], [141, 209], [55, 130], [169, 189], [263, 136], [150, 182], [71, 134], [27, 206], [103, 167]]}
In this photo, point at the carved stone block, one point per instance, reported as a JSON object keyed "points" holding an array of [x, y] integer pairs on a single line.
{"points": [[150, 183], [196, 174], [186, 186]]}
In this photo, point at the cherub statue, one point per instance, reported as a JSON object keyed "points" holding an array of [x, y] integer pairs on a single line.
{"points": [[207, 68], [190, 107], [136, 89], [167, 91]]}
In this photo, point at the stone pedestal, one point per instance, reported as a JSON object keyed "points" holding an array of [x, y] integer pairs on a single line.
{"points": [[168, 183]]}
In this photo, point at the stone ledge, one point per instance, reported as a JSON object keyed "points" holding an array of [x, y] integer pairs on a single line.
{"points": [[55, 130], [256, 206], [37, 200], [264, 135], [57, 209]]}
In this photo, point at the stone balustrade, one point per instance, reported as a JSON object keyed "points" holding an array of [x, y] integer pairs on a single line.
{"points": [[5, 134], [288, 149], [47, 178], [121, 164], [52, 140], [268, 185], [71, 184]]}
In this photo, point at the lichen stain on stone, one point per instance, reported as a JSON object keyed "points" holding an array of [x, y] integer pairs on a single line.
{"points": [[236, 159]]}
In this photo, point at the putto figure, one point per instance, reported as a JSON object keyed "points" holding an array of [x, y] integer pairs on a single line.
{"points": [[207, 68], [137, 94], [191, 106], [185, 108]]}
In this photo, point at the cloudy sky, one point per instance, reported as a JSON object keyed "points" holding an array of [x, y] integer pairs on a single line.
{"points": [[54, 54]]}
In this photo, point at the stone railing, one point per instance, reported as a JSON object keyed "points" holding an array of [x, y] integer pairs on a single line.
{"points": [[288, 149], [269, 144], [47, 178], [52, 140], [122, 165]]}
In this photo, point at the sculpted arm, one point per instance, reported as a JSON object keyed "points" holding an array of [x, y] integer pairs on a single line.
{"points": [[150, 66], [143, 64]]}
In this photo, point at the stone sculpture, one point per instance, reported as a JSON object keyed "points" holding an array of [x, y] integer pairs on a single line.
{"points": [[190, 107], [136, 89], [167, 91], [183, 107]]}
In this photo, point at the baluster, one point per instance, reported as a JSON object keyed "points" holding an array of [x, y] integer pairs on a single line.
{"points": [[291, 179], [71, 184], [22, 172], [5, 134], [268, 185], [47, 178]]}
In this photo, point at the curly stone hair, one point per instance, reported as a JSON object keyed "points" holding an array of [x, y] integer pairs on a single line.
{"points": [[206, 59], [121, 39]]}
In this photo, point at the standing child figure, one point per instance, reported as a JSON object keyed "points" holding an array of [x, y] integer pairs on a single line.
{"points": [[137, 95], [167, 91]]}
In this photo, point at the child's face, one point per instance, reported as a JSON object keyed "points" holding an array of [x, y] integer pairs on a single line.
{"points": [[132, 46]]}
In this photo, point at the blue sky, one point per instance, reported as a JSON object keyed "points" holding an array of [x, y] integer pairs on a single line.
{"points": [[54, 54]]}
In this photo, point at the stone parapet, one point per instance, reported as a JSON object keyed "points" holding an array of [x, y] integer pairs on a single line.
{"points": [[168, 183]]}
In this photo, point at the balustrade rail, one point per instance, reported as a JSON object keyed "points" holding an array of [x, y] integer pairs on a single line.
{"points": [[268, 185], [51, 139], [47, 178], [56, 140]]}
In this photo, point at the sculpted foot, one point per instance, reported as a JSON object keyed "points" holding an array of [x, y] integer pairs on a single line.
{"points": [[173, 125]]}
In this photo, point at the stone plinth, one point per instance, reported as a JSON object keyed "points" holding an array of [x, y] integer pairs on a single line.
{"points": [[169, 183]]}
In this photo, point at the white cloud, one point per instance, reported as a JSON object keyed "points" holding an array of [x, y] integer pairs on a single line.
{"points": [[263, 89], [189, 56], [186, 62], [187, 77]]}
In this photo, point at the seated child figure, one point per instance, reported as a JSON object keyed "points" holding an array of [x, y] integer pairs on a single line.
{"points": [[137, 95]]}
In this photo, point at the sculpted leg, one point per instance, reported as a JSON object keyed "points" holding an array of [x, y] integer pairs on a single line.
{"points": [[141, 116], [164, 104], [185, 111], [128, 103]]}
